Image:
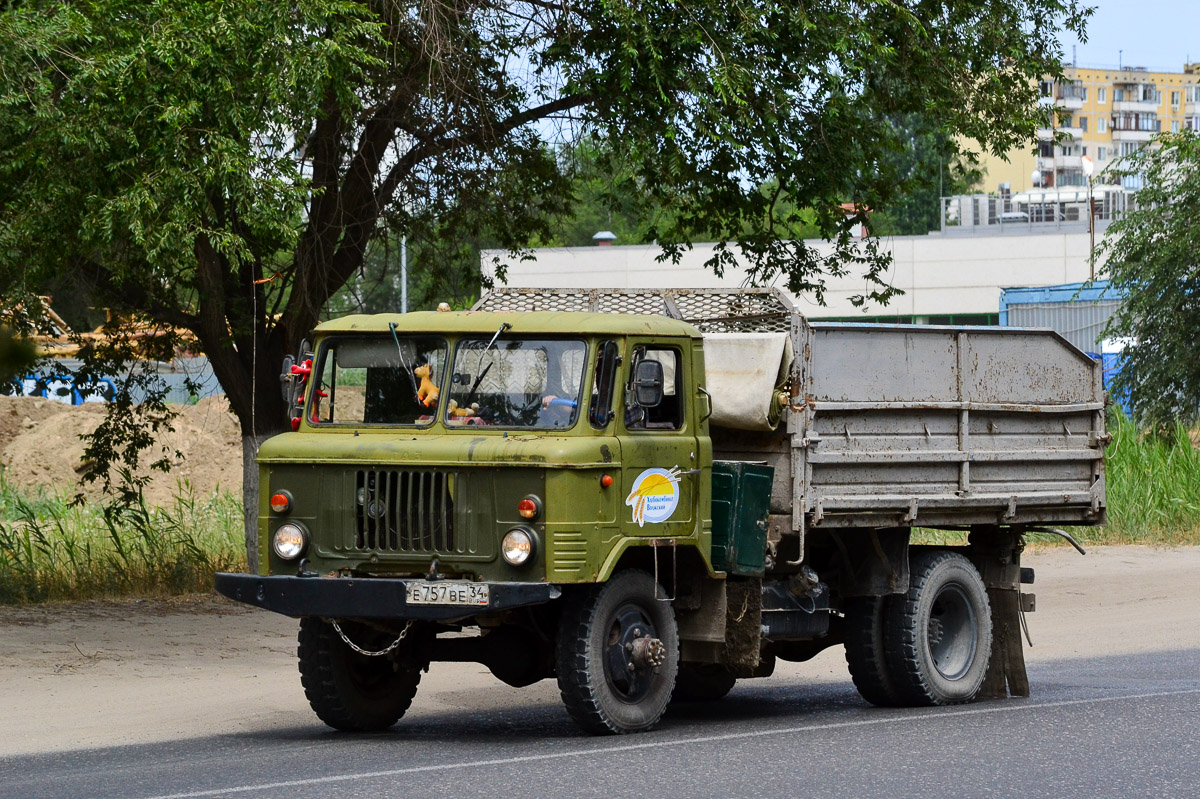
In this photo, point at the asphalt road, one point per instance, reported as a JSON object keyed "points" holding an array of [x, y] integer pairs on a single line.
{"points": [[1122, 726]]}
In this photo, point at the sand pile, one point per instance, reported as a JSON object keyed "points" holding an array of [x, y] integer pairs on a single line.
{"points": [[40, 448]]}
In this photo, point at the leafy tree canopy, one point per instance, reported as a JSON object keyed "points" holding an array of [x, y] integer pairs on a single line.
{"points": [[1153, 259], [223, 167]]}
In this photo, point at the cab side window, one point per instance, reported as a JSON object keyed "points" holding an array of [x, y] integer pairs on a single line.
{"points": [[608, 360], [667, 414]]}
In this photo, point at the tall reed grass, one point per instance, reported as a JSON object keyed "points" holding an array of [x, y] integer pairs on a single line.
{"points": [[50, 550], [1153, 486]]}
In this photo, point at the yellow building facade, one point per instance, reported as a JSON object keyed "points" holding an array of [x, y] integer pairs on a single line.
{"points": [[1105, 113]]}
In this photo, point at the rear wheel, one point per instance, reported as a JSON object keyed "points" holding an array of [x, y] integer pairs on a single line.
{"points": [[702, 683], [351, 691], [938, 636], [617, 655], [865, 654]]}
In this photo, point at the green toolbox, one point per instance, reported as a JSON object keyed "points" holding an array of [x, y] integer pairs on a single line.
{"points": [[741, 492]]}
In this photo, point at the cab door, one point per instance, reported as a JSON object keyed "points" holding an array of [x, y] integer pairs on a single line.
{"points": [[659, 453]]}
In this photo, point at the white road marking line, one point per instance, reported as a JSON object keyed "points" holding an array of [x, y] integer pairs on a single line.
{"points": [[733, 736]]}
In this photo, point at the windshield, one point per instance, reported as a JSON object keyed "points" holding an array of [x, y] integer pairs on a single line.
{"points": [[516, 383], [380, 380]]}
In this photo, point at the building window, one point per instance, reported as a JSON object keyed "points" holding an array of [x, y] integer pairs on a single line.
{"points": [[1137, 121], [1175, 100], [1101, 153], [1102, 95], [1101, 124], [1083, 124], [1174, 125], [1118, 95]]}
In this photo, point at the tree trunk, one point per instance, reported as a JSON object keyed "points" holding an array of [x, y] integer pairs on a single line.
{"points": [[259, 406], [250, 445]]}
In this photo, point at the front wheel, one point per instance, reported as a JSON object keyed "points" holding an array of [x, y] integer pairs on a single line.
{"points": [[938, 636], [350, 691], [618, 655]]}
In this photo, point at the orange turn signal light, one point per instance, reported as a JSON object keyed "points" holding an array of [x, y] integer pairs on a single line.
{"points": [[281, 502], [528, 508]]}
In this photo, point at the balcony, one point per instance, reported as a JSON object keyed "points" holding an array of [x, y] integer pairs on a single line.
{"points": [[1047, 134], [1135, 106], [1068, 162], [1192, 109], [1069, 103], [1132, 135], [1045, 164]]}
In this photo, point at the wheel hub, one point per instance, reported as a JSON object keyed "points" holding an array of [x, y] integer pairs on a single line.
{"points": [[952, 632], [648, 653], [634, 653]]}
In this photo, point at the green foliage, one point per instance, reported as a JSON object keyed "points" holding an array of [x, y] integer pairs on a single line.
{"points": [[50, 550], [1153, 259], [21, 318], [17, 355], [926, 163]]}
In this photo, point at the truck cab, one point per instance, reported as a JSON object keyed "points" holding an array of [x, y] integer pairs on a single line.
{"points": [[542, 450]]}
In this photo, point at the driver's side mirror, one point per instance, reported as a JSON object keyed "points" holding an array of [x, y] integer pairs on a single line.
{"points": [[648, 383]]}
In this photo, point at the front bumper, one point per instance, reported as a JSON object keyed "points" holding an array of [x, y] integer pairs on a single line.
{"points": [[367, 597]]}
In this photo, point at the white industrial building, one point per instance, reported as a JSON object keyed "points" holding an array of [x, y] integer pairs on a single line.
{"points": [[946, 279]]}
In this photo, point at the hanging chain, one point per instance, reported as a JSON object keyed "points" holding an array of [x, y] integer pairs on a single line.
{"points": [[362, 651]]}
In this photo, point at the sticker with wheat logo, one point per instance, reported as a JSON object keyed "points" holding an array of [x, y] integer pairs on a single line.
{"points": [[654, 496]]}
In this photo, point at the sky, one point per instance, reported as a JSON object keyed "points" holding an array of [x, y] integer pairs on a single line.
{"points": [[1158, 34]]}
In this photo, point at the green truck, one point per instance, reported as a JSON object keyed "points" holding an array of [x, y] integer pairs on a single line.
{"points": [[649, 495]]}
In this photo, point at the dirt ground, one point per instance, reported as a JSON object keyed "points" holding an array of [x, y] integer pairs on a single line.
{"points": [[108, 674], [40, 447]]}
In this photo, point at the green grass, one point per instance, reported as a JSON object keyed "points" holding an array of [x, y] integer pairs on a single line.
{"points": [[1153, 486], [52, 551]]}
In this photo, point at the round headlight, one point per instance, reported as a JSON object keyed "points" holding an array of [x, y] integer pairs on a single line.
{"points": [[517, 547], [289, 541]]}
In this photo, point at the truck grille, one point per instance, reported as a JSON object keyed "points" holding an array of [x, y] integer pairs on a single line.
{"points": [[405, 511]]}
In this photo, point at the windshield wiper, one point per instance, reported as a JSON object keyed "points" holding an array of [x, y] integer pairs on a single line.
{"points": [[412, 378], [475, 386]]}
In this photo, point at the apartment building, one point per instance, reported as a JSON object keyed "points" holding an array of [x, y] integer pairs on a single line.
{"points": [[1104, 113]]}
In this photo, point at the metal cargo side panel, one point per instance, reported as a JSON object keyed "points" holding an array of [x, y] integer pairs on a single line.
{"points": [[1025, 367], [890, 364], [913, 425]]}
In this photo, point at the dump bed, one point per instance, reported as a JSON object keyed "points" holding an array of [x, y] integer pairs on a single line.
{"points": [[896, 425]]}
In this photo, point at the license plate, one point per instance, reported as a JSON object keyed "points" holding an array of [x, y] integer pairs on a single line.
{"points": [[447, 593]]}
